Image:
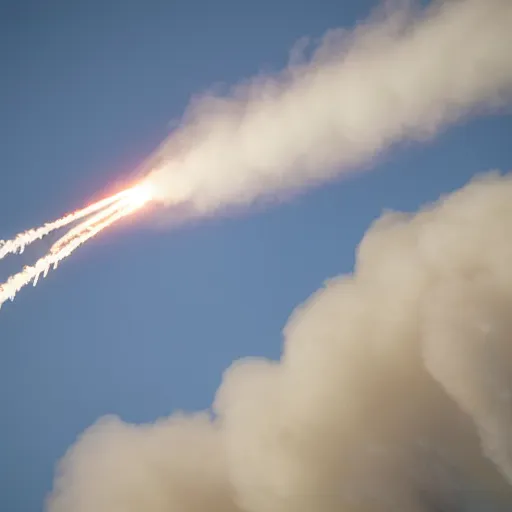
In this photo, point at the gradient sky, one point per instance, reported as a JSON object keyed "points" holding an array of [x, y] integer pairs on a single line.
{"points": [[143, 320]]}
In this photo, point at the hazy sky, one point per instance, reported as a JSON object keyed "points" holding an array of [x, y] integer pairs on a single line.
{"points": [[144, 320]]}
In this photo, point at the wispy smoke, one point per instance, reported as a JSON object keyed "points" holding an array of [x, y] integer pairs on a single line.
{"points": [[393, 393], [402, 75]]}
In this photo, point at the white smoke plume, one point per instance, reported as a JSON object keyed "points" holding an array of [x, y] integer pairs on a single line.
{"points": [[393, 393], [403, 74]]}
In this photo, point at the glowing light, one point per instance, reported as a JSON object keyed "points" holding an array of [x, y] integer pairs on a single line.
{"points": [[140, 194], [99, 215]]}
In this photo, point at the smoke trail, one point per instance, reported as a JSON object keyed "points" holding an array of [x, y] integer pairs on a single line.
{"points": [[404, 74], [84, 226], [392, 393], [20, 241], [108, 211], [65, 246]]}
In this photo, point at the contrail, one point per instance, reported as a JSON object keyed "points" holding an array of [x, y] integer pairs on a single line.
{"points": [[14, 284], [20, 241], [110, 211], [402, 75], [98, 217]]}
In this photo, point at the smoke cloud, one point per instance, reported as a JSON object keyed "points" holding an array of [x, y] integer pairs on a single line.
{"points": [[402, 75], [393, 392], [394, 389]]}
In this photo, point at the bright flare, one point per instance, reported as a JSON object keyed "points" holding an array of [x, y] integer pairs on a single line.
{"points": [[107, 212], [139, 195]]}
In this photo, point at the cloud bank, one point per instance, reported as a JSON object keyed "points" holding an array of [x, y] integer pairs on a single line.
{"points": [[393, 392]]}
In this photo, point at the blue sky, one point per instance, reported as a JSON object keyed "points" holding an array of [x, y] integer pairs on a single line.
{"points": [[143, 320]]}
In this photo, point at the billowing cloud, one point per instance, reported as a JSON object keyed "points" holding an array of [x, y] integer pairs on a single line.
{"points": [[393, 392]]}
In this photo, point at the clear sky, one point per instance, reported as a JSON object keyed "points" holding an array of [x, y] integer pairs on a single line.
{"points": [[143, 320]]}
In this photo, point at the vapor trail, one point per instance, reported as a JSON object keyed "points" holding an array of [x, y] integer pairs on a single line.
{"points": [[84, 226], [402, 75], [64, 247], [20, 241]]}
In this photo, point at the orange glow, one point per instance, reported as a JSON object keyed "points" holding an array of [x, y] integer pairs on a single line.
{"points": [[140, 194]]}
